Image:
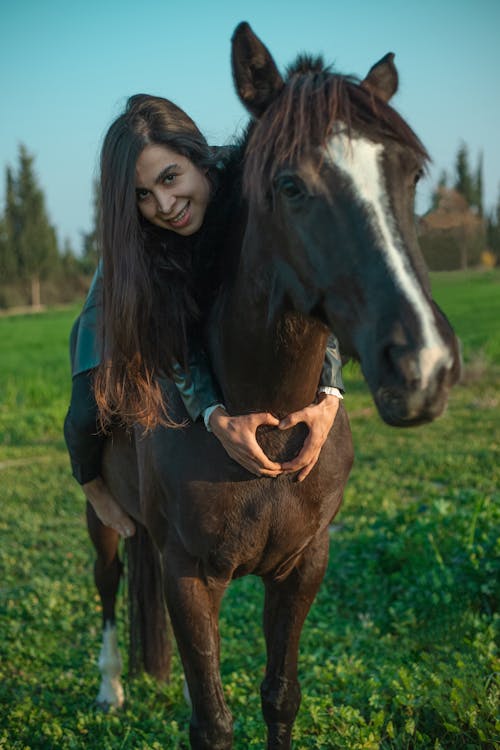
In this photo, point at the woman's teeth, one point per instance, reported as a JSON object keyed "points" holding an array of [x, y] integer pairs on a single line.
{"points": [[181, 215]]}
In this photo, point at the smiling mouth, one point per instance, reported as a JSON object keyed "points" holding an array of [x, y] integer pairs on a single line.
{"points": [[181, 216]]}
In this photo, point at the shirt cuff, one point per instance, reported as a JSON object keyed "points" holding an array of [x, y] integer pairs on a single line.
{"points": [[330, 390], [207, 413]]}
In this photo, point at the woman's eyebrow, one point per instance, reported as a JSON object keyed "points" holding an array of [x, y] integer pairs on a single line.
{"points": [[164, 172]]}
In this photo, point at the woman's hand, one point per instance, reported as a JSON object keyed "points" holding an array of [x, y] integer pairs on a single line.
{"points": [[237, 435], [319, 418]]}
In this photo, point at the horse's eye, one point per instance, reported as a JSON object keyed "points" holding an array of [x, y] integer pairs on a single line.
{"points": [[291, 188], [418, 176]]}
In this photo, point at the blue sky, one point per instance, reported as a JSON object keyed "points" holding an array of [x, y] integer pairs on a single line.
{"points": [[67, 67]]}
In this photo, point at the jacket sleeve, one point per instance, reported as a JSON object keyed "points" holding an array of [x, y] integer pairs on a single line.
{"points": [[196, 385], [198, 389], [331, 374], [86, 351]]}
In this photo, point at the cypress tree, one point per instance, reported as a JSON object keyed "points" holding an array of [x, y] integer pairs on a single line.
{"points": [[89, 255], [4, 258], [9, 259], [33, 238], [468, 184], [478, 186], [464, 182], [493, 229], [442, 182]]}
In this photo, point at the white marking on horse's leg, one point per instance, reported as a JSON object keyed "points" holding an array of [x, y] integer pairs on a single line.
{"points": [[110, 667], [360, 160]]}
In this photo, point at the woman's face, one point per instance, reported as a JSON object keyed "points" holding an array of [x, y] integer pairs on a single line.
{"points": [[171, 191]]}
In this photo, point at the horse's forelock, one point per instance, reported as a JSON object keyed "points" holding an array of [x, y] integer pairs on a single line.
{"points": [[303, 116], [304, 64]]}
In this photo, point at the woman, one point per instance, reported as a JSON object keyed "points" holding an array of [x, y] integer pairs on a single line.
{"points": [[164, 205]]}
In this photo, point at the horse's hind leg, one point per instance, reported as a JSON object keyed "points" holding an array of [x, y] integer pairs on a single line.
{"points": [[286, 606], [194, 612], [107, 572]]}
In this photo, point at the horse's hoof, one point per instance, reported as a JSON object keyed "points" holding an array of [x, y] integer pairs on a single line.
{"points": [[106, 707], [110, 695]]}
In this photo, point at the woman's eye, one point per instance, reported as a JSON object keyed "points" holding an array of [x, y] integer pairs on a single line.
{"points": [[141, 194], [169, 179]]}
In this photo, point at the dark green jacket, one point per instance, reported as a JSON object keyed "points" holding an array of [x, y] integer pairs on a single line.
{"points": [[196, 386]]}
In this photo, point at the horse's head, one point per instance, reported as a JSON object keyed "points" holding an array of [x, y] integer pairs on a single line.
{"points": [[330, 175]]}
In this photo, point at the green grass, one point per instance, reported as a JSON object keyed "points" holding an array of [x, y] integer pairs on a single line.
{"points": [[400, 650]]}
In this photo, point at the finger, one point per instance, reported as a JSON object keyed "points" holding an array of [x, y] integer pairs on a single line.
{"points": [[304, 473], [255, 469], [249, 454], [266, 418], [260, 458], [307, 470], [308, 452], [291, 420], [296, 464], [255, 460], [250, 451], [126, 531], [271, 474]]}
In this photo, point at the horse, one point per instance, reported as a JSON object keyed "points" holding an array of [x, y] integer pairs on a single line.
{"points": [[322, 238]]}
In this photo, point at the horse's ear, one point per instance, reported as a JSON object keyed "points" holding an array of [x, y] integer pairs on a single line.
{"points": [[382, 78], [255, 74]]}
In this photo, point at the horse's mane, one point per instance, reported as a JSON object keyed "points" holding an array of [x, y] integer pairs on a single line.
{"points": [[304, 114], [215, 255]]}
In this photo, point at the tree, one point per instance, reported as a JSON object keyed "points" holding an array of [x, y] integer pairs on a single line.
{"points": [[31, 241], [6, 264], [90, 252], [442, 183], [70, 265], [478, 186], [493, 230], [463, 182], [468, 184], [9, 260]]}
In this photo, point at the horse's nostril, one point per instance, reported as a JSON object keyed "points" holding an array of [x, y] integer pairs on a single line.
{"points": [[403, 365]]}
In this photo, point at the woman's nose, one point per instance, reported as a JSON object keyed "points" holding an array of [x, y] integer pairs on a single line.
{"points": [[165, 202]]}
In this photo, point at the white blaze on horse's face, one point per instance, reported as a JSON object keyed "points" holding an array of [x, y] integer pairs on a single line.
{"points": [[360, 162]]}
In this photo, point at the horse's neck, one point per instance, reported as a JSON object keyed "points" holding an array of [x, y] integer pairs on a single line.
{"points": [[265, 356]]}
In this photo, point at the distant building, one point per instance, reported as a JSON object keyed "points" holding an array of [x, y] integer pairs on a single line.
{"points": [[452, 235]]}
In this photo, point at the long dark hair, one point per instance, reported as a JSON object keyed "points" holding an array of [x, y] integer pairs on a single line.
{"points": [[148, 299]]}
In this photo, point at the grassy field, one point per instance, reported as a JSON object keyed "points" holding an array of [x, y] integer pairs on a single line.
{"points": [[400, 650]]}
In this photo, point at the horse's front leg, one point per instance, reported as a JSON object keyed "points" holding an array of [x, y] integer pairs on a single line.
{"points": [[194, 604], [285, 609], [107, 573]]}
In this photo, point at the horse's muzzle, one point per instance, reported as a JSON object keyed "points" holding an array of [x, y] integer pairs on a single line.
{"points": [[415, 385]]}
